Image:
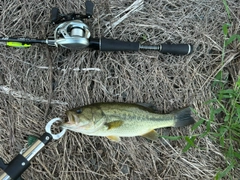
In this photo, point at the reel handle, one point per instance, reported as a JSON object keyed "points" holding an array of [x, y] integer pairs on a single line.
{"points": [[103, 44]]}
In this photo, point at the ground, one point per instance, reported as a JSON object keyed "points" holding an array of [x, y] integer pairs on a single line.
{"points": [[40, 83]]}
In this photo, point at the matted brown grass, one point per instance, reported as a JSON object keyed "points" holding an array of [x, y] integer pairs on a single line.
{"points": [[40, 83]]}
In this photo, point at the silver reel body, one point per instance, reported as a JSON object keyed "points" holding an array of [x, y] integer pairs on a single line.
{"points": [[72, 35]]}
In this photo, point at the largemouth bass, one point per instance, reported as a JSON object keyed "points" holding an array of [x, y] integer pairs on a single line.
{"points": [[115, 120]]}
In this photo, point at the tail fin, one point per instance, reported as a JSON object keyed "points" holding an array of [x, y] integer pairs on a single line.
{"points": [[183, 117]]}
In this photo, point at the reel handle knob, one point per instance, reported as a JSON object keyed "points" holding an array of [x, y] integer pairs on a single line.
{"points": [[89, 8], [54, 15]]}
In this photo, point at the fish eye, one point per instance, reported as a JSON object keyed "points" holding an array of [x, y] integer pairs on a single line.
{"points": [[79, 111]]}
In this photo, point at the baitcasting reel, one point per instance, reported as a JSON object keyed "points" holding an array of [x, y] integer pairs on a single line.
{"points": [[73, 33]]}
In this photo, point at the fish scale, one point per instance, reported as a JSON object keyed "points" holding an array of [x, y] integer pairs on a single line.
{"points": [[135, 125]]}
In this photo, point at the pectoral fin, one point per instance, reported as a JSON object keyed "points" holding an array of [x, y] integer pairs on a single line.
{"points": [[152, 135], [114, 124], [114, 138]]}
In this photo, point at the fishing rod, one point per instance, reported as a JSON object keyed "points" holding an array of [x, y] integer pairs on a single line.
{"points": [[73, 33]]}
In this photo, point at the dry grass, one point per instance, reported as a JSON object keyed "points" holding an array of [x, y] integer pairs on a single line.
{"points": [[31, 95]]}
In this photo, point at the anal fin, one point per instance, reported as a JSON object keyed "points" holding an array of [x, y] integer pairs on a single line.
{"points": [[152, 135], [114, 138]]}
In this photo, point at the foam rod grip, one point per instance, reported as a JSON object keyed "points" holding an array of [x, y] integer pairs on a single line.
{"points": [[176, 49], [117, 45]]}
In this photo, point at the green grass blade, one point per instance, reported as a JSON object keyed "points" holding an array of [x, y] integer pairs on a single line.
{"points": [[174, 138], [197, 124], [227, 8], [232, 38], [225, 29], [190, 143], [222, 174]]}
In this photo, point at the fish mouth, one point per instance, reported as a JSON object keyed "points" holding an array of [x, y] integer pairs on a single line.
{"points": [[70, 119]]}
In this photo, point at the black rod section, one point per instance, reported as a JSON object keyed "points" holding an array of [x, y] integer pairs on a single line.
{"points": [[112, 45], [94, 43], [117, 45]]}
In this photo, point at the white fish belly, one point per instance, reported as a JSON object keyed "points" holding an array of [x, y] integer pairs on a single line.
{"points": [[129, 129]]}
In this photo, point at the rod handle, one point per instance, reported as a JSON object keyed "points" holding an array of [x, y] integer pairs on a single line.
{"points": [[117, 45], [176, 49], [103, 44]]}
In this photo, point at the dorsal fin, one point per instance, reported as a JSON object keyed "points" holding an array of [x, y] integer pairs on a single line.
{"points": [[149, 106]]}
